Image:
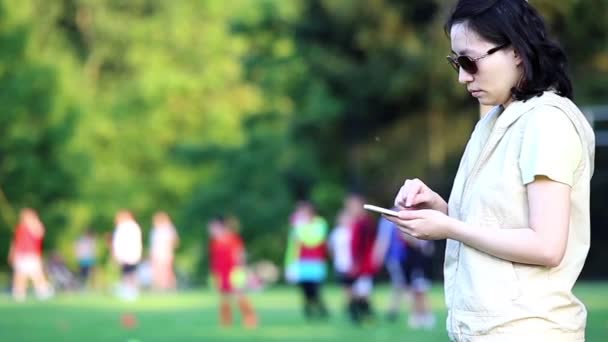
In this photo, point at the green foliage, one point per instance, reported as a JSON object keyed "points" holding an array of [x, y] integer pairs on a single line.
{"points": [[237, 107]]}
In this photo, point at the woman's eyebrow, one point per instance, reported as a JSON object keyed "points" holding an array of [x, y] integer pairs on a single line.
{"points": [[463, 52]]}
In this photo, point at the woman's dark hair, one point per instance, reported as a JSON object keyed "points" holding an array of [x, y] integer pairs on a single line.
{"points": [[517, 23]]}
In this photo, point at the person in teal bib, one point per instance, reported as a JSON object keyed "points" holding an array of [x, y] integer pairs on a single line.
{"points": [[305, 257]]}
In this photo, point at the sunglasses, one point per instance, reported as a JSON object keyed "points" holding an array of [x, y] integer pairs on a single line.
{"points": [[469, 64]]}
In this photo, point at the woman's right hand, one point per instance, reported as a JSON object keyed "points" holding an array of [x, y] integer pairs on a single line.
{"points": [[414, 194]]}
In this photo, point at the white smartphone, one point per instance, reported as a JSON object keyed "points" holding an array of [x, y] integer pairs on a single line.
{"points": [[380, 210]]}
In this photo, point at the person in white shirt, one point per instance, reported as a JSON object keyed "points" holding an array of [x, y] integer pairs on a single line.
{"points": [[339, 246], [127, 251]]}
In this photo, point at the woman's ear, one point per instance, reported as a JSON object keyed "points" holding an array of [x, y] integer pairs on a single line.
{"points": [[517, 57]]}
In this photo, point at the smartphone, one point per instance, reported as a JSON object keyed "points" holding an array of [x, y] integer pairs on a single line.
{"points": [[380, 210]]}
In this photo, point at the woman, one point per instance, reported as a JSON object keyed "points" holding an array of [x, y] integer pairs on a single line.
{"points": [[517, 221]]}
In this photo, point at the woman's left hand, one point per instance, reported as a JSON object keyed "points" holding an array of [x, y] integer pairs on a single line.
{"points": [[425, 224]]}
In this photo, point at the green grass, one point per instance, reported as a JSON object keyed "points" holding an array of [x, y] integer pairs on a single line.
{"points": [[192, 316]]}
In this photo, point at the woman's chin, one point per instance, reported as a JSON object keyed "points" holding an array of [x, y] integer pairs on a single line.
{"points": [[486, 102]]}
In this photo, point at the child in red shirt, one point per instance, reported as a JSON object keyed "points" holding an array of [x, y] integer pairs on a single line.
{"points": [[227, 259], [25, 256]]}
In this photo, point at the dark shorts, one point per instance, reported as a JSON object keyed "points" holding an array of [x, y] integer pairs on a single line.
{"points": [[85, 270], [414, 272], [310, 289], [128, 269]]}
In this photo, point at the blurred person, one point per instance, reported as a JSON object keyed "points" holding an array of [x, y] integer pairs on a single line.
{"points": [[163, 242], [145, 274], [418, 276], [127, 251], [227, 266], [408, 261], [391, 250], [253, 281], [62, 278], [364, 266], [339, 246], [517, 223], [267, 272], [305, 257], [86, 255], [25, 256]]}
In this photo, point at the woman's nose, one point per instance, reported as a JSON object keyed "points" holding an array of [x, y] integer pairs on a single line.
{"points": [[464, 77]]}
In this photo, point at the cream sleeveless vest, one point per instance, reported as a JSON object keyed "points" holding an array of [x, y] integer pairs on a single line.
{"points": [[490, 299]]}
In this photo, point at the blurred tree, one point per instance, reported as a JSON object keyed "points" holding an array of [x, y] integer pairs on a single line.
{"points": [[159, 78], [36, 126], [378, 60]]}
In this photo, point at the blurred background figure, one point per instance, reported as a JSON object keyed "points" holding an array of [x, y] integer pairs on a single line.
{"points": [[144, 274], [418, 276], [339, 246], [127, 251], [86, 256], [408, 261], [305, 257], [227, 267], [62, 278], [25, 256], [253, 280], [391, 250], [266, 272], [363, 266], [163, 242]]}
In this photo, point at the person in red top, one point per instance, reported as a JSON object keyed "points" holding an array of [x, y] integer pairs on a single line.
{"points": [[364, 265], [227, 261], [25, 256]]}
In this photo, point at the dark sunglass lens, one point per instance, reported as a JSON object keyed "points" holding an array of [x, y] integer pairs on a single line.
{"points": [[467, 64]]}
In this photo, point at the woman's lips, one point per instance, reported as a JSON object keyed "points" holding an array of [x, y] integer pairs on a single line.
{"points": [[475, 93]]}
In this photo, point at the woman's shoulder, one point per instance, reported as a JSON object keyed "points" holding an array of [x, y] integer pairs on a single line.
{"points": [[551, 107], [548, 120], [553, 100]]}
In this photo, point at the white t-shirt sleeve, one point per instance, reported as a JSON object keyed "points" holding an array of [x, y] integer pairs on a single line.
{"points": [[551, 147], [331, 240]]}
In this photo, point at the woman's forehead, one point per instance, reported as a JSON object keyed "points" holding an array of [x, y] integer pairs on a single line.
{"points": [[466, 41]]}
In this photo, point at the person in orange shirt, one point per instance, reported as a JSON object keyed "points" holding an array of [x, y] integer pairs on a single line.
{"points": [[25, 256], [227, 260]]}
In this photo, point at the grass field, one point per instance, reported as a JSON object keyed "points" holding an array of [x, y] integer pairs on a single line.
{"points": [[191, 316]]}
